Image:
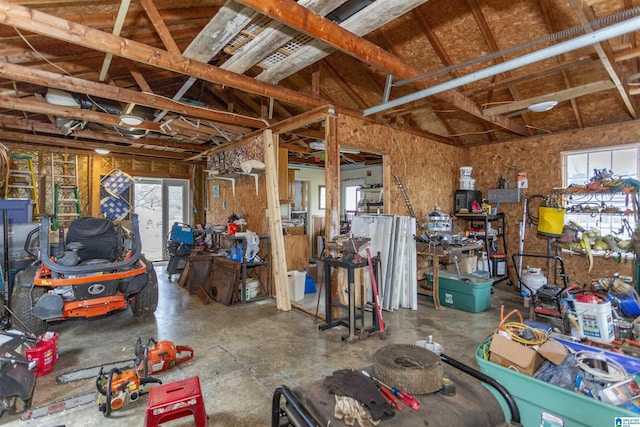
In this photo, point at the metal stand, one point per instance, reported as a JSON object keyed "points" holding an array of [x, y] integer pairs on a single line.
{"points": [[355, 313]]}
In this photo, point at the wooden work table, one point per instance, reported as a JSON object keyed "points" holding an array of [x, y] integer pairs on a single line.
{"points": [[435, 254]]}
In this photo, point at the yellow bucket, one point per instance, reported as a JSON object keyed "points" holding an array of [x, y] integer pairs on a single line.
{"points": [[550, 221]]}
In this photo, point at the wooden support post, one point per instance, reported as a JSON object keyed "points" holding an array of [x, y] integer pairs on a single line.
{"points": [[332, 185], [278, 263]]}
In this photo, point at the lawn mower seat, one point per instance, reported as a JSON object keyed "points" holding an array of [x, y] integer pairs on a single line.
{"points": [[98, 235]]}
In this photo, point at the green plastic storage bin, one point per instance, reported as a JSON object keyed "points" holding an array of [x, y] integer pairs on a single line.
{"points": [[545, 405], [463, 291]]}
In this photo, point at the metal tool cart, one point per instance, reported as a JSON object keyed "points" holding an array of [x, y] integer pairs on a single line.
{"points": [[485, 222], [249, 269]]}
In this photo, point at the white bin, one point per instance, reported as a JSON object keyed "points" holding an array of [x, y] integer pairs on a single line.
{"points": [[296, 284]]}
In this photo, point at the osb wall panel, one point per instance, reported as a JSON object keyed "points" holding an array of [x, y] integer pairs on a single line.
{"points": [[245, 201], [429, 170], [222, 203], [540, 158]]}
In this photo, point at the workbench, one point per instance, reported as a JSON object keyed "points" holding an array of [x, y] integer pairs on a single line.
{"points": [[435, 254], [355, 313]]}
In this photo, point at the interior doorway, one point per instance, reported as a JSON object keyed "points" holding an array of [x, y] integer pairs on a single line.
{"points": [[159, 203]]}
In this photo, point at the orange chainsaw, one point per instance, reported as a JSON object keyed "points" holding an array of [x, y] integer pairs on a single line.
{"points": [[158, 356], [118, 389]]}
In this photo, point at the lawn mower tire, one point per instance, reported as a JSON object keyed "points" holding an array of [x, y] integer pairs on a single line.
{"points": [[145, 302]]}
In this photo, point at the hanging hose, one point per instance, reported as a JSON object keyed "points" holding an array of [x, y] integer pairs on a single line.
{"points": [[534, 201]]}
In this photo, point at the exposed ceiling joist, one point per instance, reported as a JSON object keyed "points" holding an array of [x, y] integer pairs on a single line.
{"points": [[22, 138], [273, 37], [561, 95], [586, 15], [300, 18], [73, 84], [49, 25]]}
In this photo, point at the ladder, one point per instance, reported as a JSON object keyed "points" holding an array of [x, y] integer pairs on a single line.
{"points": [[21, 178], [64, 179], [406, 198]]}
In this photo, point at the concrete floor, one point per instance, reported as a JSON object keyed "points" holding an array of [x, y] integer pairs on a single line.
{"points": [[243, 352]]}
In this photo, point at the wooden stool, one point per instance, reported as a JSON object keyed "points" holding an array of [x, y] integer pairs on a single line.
{"points": [[176, 400]]}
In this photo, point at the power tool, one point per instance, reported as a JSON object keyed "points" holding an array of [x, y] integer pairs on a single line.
{"points": [[158, 356], [119, 388]]}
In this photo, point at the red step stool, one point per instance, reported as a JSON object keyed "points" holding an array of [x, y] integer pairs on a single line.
{"points": [[176, 400]]}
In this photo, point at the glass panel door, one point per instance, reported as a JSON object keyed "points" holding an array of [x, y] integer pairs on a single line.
{"points": [[159, 203]]}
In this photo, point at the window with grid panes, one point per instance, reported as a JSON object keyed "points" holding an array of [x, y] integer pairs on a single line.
{"points": [[579, 167]]}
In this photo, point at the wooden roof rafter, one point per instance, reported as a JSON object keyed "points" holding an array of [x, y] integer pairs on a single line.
{"points": [[340, 38], [585, 15]]}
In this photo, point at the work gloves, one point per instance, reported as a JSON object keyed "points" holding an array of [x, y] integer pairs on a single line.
{"points": [[354, 384]]}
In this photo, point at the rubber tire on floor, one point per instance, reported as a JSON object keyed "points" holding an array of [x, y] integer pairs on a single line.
{"points": [[422, 378], [22, 299], [145, 302]]}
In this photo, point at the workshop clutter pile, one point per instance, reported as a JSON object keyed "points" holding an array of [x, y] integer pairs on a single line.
{"points": [[117, 384], [552, 375], [375, 394]]}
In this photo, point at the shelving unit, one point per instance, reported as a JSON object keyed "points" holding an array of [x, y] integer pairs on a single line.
{"points": [[251, 270], [372, 197], [485, 221]]}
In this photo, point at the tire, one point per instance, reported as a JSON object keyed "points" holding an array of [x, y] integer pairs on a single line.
{"points": [[22, 299], [145, 302], [408, 367]]}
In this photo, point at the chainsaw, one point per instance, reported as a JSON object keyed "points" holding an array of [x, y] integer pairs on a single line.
{"points": [[118, 389], [129, 378], [158, 356]]}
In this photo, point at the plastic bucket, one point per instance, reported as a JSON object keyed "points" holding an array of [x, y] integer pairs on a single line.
{"points": [[595, 321], [498, 264], [467, 184], [251, 290], [296, 284], [53, 337], [550, 221], [465, 172], [43, 355]]}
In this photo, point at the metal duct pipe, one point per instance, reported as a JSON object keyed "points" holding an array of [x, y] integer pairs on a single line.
{"points": [[564, 47]]}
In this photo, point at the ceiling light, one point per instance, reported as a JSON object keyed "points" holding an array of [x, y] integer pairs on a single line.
{"points": [[102, 151], [131, 120], [542, 106]]}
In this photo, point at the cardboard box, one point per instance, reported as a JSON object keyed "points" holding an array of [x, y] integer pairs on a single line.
{"points": [[295, 230], [553, 351], [513, 355], [467, 264]]}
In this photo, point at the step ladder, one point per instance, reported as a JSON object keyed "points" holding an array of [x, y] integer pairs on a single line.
{"points": [[21, 179], [64, 179]]}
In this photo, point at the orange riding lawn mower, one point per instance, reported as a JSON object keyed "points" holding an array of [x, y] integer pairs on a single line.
{"points": [[96, 269]]}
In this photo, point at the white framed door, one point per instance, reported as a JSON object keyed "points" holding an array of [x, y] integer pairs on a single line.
{"points": [[159, 204]]}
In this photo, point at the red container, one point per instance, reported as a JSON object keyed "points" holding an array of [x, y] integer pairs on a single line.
{"points": [[52, 336], [43, 355], [232, 228]]}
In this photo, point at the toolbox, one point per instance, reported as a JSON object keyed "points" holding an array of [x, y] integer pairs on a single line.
{"points": [[544, 404]]}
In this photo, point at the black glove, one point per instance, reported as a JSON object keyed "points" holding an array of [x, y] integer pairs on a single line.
{"points": [[352, 383]]}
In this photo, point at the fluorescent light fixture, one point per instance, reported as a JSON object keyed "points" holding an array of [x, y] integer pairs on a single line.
{"points": [[542, 106], [319, 145], [102, 151], [131, 120]]}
